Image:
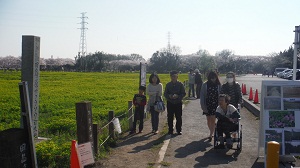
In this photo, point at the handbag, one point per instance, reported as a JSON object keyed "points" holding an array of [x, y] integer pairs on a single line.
{"points": [[159, 105]]}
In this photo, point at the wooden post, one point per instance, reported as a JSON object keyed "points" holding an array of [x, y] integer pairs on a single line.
{"points": [[111, 115], [95, 138], [84, 122], [130, 112]]}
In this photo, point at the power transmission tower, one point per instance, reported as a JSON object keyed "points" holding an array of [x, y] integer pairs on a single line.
{"points": [[82, 45], [169, 45]]}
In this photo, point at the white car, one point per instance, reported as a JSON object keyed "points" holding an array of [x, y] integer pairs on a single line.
{"points": [[290, 74], [280, 74], [287, 74]]}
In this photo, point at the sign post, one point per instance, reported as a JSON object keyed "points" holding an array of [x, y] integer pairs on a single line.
{"points": [[26, 124], [31, 74], [143, 71]]}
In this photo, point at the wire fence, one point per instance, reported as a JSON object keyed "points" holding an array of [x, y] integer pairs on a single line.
{"points": [[111, 121], [123, 116]]}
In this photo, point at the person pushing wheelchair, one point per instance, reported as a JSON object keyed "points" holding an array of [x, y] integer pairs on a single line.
{"points": [[228, 117]]}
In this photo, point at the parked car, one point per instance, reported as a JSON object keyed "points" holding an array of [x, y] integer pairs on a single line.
{"points": [[277, 70], [297, 75], [280, 74], [287, 74]]}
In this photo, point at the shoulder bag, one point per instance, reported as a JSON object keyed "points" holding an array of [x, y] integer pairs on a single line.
{"points": [[159, 105]]}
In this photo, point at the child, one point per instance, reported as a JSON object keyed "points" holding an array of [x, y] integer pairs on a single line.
{"points": [[139, 101]]}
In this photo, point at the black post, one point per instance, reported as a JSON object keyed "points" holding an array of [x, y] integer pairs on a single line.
{"points": [[111, 115]]}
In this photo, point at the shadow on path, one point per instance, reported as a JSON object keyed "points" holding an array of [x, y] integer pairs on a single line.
{"points": [[221, 156], [134, 138], [148, 145], [192, 148]]}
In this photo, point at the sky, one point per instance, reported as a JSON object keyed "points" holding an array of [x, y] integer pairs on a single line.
{"points": [[246, 27]]}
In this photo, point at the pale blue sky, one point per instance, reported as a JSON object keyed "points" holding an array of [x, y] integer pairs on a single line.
{"points": [[247, 27]]}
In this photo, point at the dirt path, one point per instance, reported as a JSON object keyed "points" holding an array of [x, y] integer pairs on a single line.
{"points": [[138, 150]]}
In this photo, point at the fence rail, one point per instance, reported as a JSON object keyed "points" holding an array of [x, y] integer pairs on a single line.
{"points": [[110, 126]]}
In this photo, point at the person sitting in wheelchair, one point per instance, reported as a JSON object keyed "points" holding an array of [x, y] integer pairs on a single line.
{"points": [[228, 117]]}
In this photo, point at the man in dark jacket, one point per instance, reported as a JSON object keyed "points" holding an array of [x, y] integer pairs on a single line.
{"points": [[174, 93], [198, 82]]}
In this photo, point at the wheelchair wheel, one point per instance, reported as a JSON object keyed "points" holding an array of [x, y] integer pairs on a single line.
{"points": [[239, 145], [215, 137]]}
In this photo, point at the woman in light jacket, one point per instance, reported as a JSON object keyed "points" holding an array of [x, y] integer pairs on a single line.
{"points": [[154, 90]]}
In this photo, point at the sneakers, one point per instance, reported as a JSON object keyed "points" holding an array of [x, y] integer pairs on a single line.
{"points": [[222, 146], [179, 133], [155, 131]]}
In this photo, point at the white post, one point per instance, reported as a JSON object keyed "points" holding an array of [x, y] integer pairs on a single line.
{"points": [[296, 46]]}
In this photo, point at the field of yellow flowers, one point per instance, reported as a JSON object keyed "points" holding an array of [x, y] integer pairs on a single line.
{"points": [[59, 91]]}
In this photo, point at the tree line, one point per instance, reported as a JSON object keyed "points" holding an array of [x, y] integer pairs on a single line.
{"points": [[165, 60]]}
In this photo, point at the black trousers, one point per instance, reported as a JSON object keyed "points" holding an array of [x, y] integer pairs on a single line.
{"points": [[138, 115], [226, 127], [174, 109], [198, 89]]}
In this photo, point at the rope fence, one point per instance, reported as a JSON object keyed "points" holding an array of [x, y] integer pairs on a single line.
{"points": [[130, 119], [111, 122]]}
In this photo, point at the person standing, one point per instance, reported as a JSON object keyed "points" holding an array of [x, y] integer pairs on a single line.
{"points": [[174, 93], [139, 102], [209, 96], [198, 82], [192, 83], [155, 90], [233, 89]]}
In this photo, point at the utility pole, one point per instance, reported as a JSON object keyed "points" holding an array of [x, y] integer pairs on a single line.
{"points": [[296, 48], [82, 45]]}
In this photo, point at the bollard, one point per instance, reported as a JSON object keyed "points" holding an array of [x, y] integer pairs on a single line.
{"points": [[273, 154]]}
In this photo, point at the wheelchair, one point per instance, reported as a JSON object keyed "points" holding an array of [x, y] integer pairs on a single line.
{"points": [[236, 137]]}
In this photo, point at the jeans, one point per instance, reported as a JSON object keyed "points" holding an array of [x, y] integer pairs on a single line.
{"points": [[174, 109], [154, 118], [191, 88]]}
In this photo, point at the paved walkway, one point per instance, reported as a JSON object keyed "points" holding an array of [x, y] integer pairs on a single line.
{"points": [[192, 148]]}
